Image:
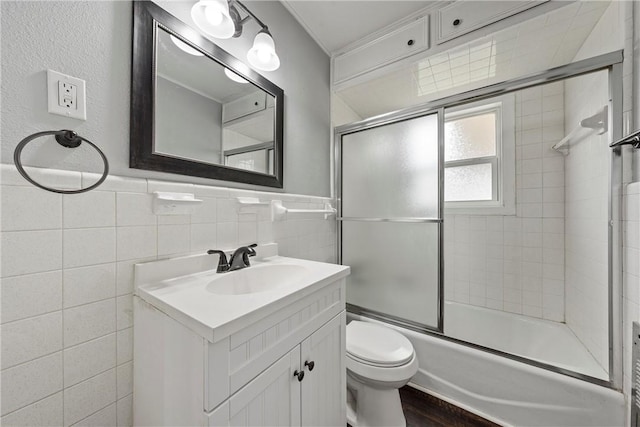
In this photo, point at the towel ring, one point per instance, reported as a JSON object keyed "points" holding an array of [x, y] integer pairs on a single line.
{"points": [[66, 138]]}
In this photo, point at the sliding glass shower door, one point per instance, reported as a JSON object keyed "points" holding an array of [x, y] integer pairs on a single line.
{"points": [[391, 220]]}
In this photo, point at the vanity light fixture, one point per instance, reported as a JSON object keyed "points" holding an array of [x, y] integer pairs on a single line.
{"points": [[263, 53], [221, 19], [185, 47], [213, 17]]}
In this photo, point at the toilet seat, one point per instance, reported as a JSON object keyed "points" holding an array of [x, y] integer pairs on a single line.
{"points": [[377, 345], [380, 354], [383, 375]]}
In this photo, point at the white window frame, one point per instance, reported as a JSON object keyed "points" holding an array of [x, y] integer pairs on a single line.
{"points": [[503, 163]]}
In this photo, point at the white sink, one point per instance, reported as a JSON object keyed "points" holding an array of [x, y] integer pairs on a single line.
{"points": [[258, 278], [215, 305]]}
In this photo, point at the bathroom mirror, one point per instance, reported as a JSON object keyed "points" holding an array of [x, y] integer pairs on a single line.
{"points": [[196, 110]]}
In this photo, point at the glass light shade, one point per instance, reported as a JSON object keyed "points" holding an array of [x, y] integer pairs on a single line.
{"points": [[263, 53], [185, 47], [233, 76], [212, 17]]}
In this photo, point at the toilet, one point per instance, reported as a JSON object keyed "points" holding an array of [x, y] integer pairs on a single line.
{"points": [[379, 362]]}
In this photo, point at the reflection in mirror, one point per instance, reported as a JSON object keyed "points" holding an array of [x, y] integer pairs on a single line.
{"points": [[207, 113]]}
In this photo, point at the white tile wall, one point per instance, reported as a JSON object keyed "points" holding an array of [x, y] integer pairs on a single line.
{"points": [[499, 261], [45, 412], [88, 397], [631, 274], [631, 211], [30, 382], [30, 295], [26, 339], [587, 181], [89, 359], [67, 283]]}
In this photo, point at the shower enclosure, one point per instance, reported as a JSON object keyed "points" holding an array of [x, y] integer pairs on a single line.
{"points": [[491, 218]]}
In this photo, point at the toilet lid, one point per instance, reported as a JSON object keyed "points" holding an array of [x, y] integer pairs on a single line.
{"points": [[377, 345]]}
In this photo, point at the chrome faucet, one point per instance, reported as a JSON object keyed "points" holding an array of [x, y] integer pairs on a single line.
{"points": [[239, 259]]}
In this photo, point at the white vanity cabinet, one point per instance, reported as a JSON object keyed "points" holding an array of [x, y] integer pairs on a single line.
{"points": [[281, 395], [226, 361]]}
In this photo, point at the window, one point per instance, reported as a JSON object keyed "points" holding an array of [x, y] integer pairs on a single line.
{"points": [[479, 157]]}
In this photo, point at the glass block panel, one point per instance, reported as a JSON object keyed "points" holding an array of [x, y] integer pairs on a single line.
{"points": [[394, 268], [391, 171], [470, 137], [467, 183]]}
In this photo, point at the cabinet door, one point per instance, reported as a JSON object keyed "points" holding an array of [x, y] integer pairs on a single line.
{"points": [[391, 47], [460, 18], [271, 399], [324, 387], [243, 106]]}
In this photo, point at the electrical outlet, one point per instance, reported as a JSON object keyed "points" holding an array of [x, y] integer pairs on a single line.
{"points": [[66, 95]]}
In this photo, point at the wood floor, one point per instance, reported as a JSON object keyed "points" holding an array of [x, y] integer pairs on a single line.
{"points": [[424, 410]]}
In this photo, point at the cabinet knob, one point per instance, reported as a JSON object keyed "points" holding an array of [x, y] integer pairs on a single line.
{"points": [[457, 22], [299, 375], [310, 365], [255, 103], [410, 42]]}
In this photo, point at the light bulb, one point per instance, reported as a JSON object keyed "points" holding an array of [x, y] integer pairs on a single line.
{"points": [[213, 15], [264, 55]]}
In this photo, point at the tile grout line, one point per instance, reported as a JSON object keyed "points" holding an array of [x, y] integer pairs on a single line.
{"points": [[93, 413], [33, 403]]}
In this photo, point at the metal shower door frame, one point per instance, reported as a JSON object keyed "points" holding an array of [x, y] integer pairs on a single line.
{"points": [[396, 118], [611, 62]]}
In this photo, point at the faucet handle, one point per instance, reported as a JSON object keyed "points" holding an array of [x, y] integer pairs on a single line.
{"points": [[223, 264], [252, 251], [249, 252]]}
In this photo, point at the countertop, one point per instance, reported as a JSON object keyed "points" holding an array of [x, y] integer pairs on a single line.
{"points": [[214, 316]]}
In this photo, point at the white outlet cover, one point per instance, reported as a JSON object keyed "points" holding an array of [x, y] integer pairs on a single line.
{"points": [[80, 110]]}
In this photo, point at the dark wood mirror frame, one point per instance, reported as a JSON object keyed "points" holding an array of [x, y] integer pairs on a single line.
{"points": [[147, 17]]}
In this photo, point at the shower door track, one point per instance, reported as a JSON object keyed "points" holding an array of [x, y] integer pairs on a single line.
{"points": [[612, 62]]}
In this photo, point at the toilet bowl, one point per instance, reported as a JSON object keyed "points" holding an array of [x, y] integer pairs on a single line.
{"points": [[379, 362]]}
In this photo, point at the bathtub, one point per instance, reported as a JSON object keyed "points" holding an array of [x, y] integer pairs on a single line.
{"points": [[503, 390], [541, 340]]}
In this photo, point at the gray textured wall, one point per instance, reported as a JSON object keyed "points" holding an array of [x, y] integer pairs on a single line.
{"points": [[92, 41], [636, 85], [194, 132]]}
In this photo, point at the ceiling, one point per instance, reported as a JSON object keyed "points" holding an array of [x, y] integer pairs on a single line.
{"points": [[336, 24]]}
